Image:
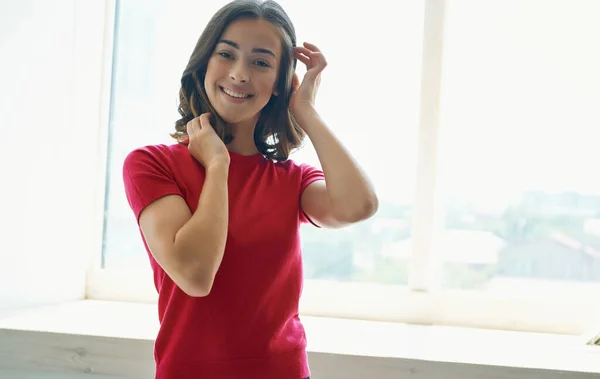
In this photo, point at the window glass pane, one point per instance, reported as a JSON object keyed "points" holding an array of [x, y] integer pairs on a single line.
{"points": [[134, 121], [369, 96], [520, 121]]}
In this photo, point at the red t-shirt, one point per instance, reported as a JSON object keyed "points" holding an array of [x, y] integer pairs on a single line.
{"points": [[248, 326]]}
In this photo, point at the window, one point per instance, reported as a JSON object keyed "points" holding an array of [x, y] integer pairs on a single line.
{"points": [[489, 207], [380, 131], [135, 120], [518, 128], [152, 49]]}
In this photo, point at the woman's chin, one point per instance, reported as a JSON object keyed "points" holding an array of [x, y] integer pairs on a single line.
{"points": [[236, 119]]}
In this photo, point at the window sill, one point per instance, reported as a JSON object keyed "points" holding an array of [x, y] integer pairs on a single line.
{"points": [[116, 338], [556, 309]]}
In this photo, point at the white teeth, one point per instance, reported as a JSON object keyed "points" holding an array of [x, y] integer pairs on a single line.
{"points": [[235, 94]]}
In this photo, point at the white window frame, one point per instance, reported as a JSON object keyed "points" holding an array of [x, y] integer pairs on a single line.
{"points": [[422, 301]]}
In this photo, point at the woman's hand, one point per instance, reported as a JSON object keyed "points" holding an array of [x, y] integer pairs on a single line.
{"points": [[204, 144], [304, 94]]}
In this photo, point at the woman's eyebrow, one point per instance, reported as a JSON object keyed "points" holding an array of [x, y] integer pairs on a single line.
{"points": [[255, 50]]}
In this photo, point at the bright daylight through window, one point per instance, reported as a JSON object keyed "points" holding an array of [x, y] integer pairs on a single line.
{"points": [[381, 134], [518, 127], [519, 123]]}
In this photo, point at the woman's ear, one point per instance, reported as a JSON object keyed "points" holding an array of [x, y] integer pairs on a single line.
{"points": [[295, 82]]}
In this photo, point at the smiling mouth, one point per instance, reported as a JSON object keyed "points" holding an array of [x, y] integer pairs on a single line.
{"points": [[236, 95]]}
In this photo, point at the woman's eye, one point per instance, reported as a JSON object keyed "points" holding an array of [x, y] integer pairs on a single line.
{"points": [[262, 64], [225, 54]]}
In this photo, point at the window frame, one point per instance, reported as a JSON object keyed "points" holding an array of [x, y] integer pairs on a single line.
{"points": [[421, 301]]}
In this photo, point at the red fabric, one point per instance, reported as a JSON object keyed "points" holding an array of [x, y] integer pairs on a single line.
{"points": [[248, 326]]}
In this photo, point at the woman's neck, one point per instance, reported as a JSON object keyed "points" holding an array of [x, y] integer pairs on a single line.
{"points": [[243, 138]]}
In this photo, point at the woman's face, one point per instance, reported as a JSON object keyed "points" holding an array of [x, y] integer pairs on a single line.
{"points": [[242, 72]]}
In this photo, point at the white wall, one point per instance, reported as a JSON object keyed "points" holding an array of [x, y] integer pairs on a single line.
{"points": [[48, 147]]}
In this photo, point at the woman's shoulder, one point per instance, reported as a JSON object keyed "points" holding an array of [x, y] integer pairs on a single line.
{"points": [[159, 151], [296, 169], [288, 166], [289, 163], [156, 155], [295, 165]]}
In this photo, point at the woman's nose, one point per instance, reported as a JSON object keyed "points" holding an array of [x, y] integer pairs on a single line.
{"points": [[239, 73]]}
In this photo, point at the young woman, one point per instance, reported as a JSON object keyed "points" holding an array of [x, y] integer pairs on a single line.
{"points": [[220, 210]]}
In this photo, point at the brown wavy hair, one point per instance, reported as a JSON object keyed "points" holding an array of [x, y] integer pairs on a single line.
{"points": [[276, 133]]}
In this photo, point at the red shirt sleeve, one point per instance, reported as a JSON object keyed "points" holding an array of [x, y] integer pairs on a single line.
{"points": [[147, 177], [309, 175]]}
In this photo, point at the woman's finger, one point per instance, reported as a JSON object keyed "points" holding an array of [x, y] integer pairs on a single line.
{"points": [[205, 120], [302, 58], [312, 47], [189, 128]]}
